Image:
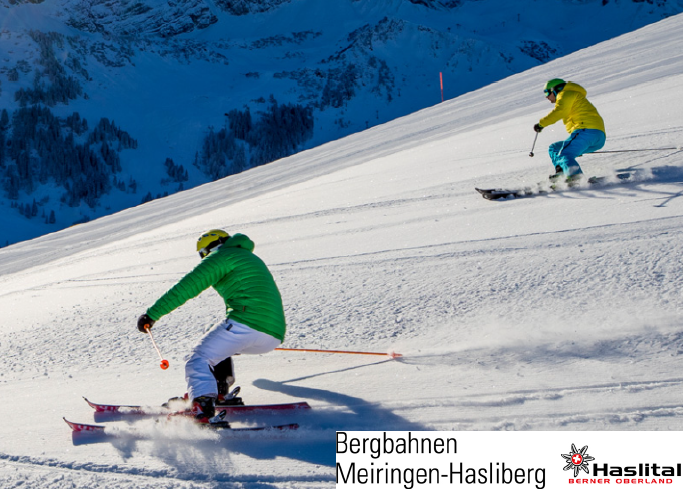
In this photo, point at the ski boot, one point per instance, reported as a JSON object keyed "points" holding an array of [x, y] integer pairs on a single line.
{"points": [[218, 422], [203, 409], [204, 412], [558, 174], [559, 178], [575, 180], [176, 402], [230, 399]]}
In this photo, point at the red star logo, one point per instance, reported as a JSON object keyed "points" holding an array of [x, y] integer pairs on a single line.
{"points": [[577, 460]]}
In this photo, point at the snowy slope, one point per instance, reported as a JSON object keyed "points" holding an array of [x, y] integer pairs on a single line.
{"points": [[555, 312]]}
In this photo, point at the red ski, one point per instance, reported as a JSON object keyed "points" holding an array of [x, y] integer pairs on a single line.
{"points": [[158, 411], [77, 427], [98, 428]]}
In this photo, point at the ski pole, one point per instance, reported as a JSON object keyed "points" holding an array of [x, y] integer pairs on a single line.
{"points": [[630, 150], [164, 363], [390, 354], [531, 154]]}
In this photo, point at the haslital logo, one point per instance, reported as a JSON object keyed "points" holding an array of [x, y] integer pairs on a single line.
{"points": [[577, 460]]}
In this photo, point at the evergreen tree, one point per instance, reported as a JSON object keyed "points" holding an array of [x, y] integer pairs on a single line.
{"points": [[12, 183], [2, 148], [177, 173], [340, 86], [133, 186], [240, 123], [62, 88], [42, 147], [278, 132]]}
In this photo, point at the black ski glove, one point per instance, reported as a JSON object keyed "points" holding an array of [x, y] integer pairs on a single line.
{"points": [[538, 127], [143, 321]]}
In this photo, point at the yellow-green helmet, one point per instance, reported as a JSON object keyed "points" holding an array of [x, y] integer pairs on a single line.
{"points": [[209, 240], [552, 85]]}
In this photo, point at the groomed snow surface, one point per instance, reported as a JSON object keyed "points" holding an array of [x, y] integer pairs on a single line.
{"points": [[559, 311]]}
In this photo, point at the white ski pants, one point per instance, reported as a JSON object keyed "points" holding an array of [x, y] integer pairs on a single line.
{"points": [[224, 340]]}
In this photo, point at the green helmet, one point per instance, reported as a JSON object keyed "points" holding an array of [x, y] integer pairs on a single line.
{"points": [[552, 84]]}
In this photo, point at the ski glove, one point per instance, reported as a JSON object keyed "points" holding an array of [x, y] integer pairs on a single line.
{"points": [[538, 127], [143, 321]]}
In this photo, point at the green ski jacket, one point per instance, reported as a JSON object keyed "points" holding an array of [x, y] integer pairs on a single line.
{"points": [[241, 279]]}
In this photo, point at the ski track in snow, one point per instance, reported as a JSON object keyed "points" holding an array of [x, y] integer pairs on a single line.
{"points": [[21, 471]]}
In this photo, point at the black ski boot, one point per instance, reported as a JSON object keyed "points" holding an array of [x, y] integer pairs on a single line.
{"points": [[558, 174], [575, 180], [203, 408], [224, 373], [230, 399]]}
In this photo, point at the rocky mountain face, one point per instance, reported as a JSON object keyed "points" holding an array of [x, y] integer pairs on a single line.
{"points": [[133, 18]]}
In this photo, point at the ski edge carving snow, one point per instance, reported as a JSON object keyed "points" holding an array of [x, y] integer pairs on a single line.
{"points": [[502, 193], [98, 428], [142, 410]]}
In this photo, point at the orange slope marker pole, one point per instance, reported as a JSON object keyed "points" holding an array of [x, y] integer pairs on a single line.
{"points": [[389, 354], [441, 80]]}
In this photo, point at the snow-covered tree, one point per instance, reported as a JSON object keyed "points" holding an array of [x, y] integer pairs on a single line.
{"points": [[277, 132]]}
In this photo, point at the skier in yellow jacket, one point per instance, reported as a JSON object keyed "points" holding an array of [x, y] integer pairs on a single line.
{"points": [[583, 122]]}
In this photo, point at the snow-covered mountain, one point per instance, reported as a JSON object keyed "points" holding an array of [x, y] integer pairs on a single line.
{"points": [[555, 312], [106, 104]]}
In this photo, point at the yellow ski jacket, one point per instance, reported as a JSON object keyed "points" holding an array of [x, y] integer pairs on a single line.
{"points": [[575, 110]]}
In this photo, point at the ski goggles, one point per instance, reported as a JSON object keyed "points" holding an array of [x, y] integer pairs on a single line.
{"points": [[204, 252], [547, 92]]}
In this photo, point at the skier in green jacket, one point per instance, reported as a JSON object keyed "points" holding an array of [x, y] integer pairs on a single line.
{"points": [[255, 319]]}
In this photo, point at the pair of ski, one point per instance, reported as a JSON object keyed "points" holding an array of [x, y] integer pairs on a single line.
{"points": [[223, 411], [502, 193]]}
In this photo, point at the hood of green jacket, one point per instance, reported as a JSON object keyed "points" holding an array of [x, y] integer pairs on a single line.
{"points": [[237, 241]]}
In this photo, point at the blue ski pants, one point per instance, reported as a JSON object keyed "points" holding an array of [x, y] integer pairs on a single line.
{"points": [[564, 153]]}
